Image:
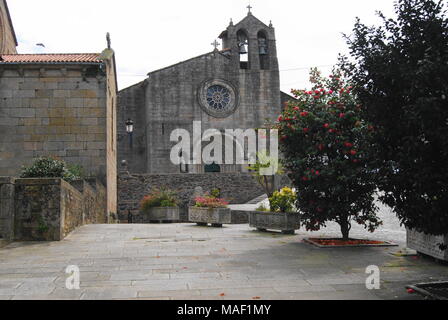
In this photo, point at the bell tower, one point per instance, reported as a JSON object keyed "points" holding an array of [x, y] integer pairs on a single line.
{"points": [[8, 40], [252, 43]]}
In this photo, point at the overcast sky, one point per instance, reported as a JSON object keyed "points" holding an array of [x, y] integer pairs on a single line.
{"points": [[148, 35]]}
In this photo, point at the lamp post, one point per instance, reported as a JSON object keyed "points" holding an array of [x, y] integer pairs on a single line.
{"points": [[130, 131]]}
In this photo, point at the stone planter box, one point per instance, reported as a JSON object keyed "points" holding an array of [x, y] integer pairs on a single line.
{"points": [[287, 223], [427, 244], [204, 216], [166, 214]]}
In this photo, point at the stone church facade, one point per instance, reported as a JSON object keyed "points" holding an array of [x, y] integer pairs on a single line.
{"points": [[234, 88], [8, 40], [58, 105]]}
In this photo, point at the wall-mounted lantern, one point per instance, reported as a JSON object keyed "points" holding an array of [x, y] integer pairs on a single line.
{"points": [[130, 131], [130, 126]]}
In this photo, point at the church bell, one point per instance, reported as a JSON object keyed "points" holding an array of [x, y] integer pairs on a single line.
{"points": [[263, 47], [243, 49], [263, 50]]}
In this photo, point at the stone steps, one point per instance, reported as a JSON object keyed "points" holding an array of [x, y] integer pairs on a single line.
{"points": [[258, 199]]}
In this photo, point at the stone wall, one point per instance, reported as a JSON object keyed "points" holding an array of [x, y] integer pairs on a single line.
{"points": [[71, 209], [38, 209], [237, 187], [6, 208], [63, 111], [49, 209], [130, 101], [94, 198]]}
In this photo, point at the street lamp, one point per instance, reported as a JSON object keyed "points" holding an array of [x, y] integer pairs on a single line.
{"points": [[130, 131], [129, 126]]}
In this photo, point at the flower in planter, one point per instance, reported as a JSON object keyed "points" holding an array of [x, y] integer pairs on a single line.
{"points": [[211, 202], [159, 199], [283, 200]]}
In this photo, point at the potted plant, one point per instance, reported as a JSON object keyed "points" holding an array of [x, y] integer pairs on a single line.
{"points": [[210, 210], [281, 215], [160, 206]]}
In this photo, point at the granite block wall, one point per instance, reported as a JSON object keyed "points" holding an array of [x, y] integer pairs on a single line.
{"points": [[6, 208], [49, 209], [236, 187], [62, 111]]}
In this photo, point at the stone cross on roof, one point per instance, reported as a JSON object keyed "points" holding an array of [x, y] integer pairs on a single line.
{"points": [[250, 8], [215, 44]]}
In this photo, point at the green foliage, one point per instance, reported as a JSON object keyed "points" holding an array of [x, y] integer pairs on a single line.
{"points": [[215, 193], [283, 200], [325, 143], [52, 168], [262, 208], [162, 198], [265, 170], [400, 72]]}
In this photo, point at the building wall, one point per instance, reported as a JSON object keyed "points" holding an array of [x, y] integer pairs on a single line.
{"points": [[171, 102], [131, 102], [68, 112], [236, 187], [52, 112], [7, 37], [111, 135]]}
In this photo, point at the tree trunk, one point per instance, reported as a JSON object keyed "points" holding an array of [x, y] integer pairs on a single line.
{"points": [[345, 229], [269, 185]]}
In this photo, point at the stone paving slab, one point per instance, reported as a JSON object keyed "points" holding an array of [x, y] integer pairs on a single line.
{"points": [[191, 263]]}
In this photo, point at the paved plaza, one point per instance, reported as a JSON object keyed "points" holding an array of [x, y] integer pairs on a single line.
{"points": [[184, 261]]}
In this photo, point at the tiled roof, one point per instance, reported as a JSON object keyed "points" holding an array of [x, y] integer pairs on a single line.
{"points": [[50, 58]]}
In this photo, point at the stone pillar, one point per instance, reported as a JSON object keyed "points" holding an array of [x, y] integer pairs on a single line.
{"points": [[7, 208]]}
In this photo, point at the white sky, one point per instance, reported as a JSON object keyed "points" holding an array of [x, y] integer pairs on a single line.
{"points": [[148, 34]]}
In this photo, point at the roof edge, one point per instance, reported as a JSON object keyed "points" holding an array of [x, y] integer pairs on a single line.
{"points": [[221, 52], [10, 23]]}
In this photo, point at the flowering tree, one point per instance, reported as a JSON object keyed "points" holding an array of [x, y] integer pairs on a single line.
{"points": [[325, 143], [400, 70]]}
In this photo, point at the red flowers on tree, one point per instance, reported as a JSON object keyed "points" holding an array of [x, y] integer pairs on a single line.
{"points": [[335, 180]]}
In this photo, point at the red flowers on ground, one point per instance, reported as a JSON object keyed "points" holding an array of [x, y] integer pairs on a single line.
{"points": [[348, 145], [304, 114]]}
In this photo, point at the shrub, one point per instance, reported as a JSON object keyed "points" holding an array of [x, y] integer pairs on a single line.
{"points": [[400, 72], [283, 200], [326, 145], [262, 208], [159, 199], [210, 202], [52, 168]]}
